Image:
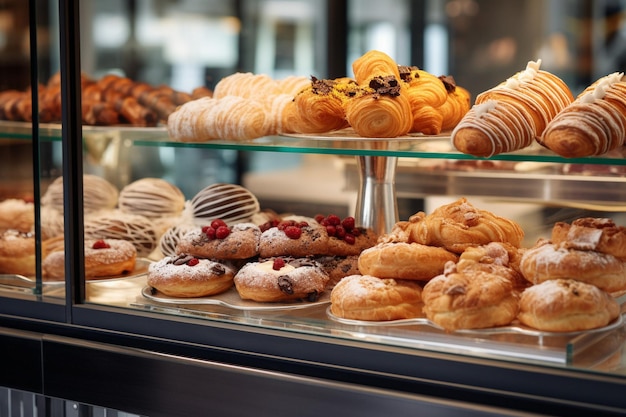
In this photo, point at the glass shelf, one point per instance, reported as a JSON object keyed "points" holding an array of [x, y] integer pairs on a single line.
{"points": [[333, 143]]}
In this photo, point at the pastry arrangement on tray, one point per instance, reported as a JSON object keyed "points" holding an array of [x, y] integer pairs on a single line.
{"points": [[387, 100], [459, 267]]}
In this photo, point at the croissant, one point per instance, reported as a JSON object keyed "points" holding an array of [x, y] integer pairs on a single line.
{"points": [[427, 120], [494, 127], [455, 107], [460, 225], [320, 107], [374, 64], [542, 94], [245, 84], [424, 88], [207, 118], [594, 124], [293, 84], [380, 113]]}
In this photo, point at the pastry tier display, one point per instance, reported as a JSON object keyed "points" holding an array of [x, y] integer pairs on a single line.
{"points": [[220, 241], [186, 276], [98, 194], [566, 305], [591, 233], [229, 202], [281, 279], [594, 124], [365, 297], [459, 225], [546, 261], [511, 115], [401, 260], [152, 197], [17, 214], [469, 299], [104, 258]]}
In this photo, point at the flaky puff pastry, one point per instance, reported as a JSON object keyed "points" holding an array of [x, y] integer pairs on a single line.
{"points": [[542, 94], [230, 117], [380, 110], [374, 64], [425, 93], [591, 233], [456, 106], [319, 107], [493, 127], [459, 225], [594, 124], [365, 297], [566, 305], [469, 299]]}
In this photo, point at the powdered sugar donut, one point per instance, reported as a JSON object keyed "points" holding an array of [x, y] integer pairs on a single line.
{"points": [[103, 258], [186, 276], [281, 279]]}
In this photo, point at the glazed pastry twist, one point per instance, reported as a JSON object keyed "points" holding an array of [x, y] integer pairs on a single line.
{"points": [[594, 124]]}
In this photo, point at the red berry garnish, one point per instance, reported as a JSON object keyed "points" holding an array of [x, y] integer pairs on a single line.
{"points": [[319, 218], [349, 239], [210, 232], [340, 232], [100, 244], [348, 223], [217, 223], [193, 262], [355, 232], [222, 232], [333, 219], [205, 228], [278, 264], [293, 232], [331, 230]]}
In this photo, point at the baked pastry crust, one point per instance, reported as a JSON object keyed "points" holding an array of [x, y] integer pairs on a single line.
{"points": [[591, 233], [295, 279], [470, 299], [313, 240], [566, 305], [338, 267], [176, 276], [118, 258], [402, 260], [460, 225], [546, 261], [241, 243], [17, 214], [364, 297]]}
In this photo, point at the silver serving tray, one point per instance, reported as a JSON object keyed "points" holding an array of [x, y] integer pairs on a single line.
{"points": [[516, 327], [231, 299]]}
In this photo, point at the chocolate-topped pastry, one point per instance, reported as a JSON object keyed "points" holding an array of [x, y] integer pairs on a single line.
{"points": [[229, 202]]}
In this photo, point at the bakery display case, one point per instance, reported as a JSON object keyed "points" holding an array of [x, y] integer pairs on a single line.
{"points": [[114, 341]]}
